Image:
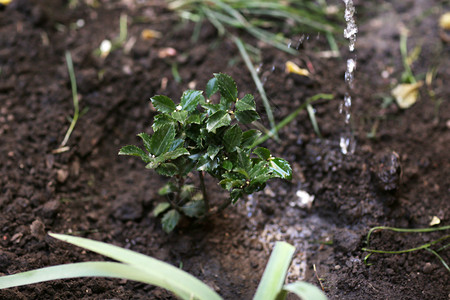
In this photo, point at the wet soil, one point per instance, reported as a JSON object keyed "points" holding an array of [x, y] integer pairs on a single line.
{"points": [[398, 176]]}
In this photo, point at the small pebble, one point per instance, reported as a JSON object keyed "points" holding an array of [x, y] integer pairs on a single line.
{"points": [[428, 268], [62, 175]]}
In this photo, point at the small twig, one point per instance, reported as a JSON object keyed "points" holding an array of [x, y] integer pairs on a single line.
{"points": [[318, 279], [205, 196]]}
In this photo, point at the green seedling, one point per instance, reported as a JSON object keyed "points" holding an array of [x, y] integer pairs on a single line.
{"points": [[205, 136], [76, 113], [138, 267], [426, 246], [256, 17]]}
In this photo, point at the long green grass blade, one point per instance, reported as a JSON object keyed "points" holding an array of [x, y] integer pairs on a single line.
{"points": [[274, 275], [305, 291], [174, 279], [292, 116], [76, 270], [73, 85], [257, 81]]}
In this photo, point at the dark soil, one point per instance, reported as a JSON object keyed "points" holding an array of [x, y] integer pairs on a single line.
{"points": [[91, 192]]}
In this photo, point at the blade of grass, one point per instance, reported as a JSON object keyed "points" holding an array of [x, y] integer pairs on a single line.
{"points": [[257, 81], [172, 277], [439, 257], [424, 246], [408, 230], [292, 116], [312, 117], [73, 85], [305, 291], [274, 275]]}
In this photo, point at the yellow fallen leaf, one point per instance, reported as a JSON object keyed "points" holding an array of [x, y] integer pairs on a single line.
{"points": [[406, 94], [435, 221], [291, 67], [444, 21], [148, 34], [5, 2]]}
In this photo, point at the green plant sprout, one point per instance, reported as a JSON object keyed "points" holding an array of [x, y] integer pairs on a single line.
{"points": [[256, 17], [426, 246], [76, 113], [200, 135], [138, 267]]}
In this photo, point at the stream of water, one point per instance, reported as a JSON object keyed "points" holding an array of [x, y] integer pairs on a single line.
{"points": [[347, 140]]}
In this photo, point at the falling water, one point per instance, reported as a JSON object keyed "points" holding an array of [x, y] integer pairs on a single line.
{"points": [[347, 141]]}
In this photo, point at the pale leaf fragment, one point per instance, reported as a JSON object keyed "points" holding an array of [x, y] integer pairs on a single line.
{"points": [[406, 94], [435, 221], [149, 34], [291, 67], [444, 21]]}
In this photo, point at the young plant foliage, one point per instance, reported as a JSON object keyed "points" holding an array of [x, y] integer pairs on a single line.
{"points": [[198, 135]]}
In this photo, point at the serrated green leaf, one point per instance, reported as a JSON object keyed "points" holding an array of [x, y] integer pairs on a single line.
{"points": [[145, 139], [262, 152], [190, 99], [242, 171], [162, 139], [180, 116], [262, 179], [246, 103], [230, 183], [161, 120], [206, 164], [134, 151], [186, 191], [194, 118], [175, 153], [176, 144], [211, 87], [160, 208], [232, 138], [281, 168], [217, 120], [167, 189], [170, 220], [213, 150], [194, 209], [242, 159], [163, 104], [167, 169], [246, 116], [131, 150], [249, 137], [259, 169], [227, 165], [227, 87], [211, 108]]}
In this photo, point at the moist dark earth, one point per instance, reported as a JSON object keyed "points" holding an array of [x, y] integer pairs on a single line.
{"points": [[398, 175]]}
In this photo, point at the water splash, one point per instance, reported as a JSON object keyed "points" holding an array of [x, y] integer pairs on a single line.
{"points": [[347, 140]]}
